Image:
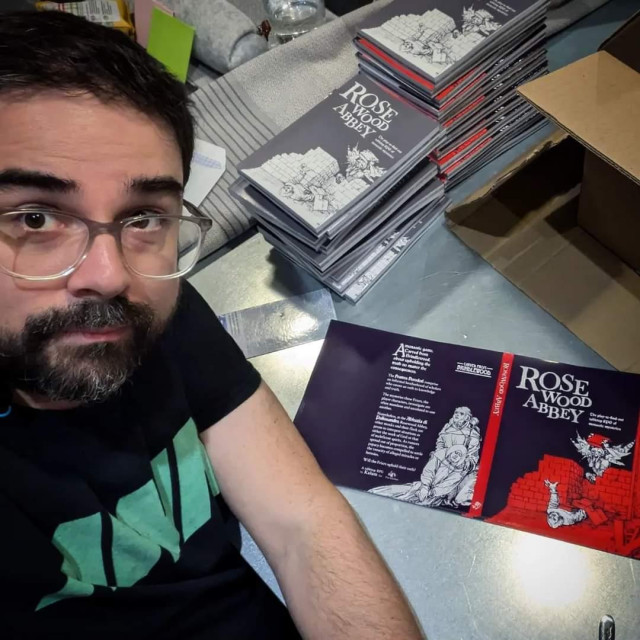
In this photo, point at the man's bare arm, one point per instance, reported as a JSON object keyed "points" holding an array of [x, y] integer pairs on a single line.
{"points": [[334, 581]]}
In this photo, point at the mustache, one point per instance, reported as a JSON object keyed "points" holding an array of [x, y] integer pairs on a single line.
{"points": [[88, 315]]}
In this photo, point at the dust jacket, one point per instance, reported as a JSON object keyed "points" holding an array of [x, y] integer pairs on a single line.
{"points": [[540, 446]]}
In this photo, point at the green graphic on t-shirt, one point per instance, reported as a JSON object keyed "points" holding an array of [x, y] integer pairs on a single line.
{"points": [[143, 525]]}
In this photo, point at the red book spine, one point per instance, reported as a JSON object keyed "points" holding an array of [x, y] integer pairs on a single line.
{"points": [[491, 437], [395, 65], [635, 473]]}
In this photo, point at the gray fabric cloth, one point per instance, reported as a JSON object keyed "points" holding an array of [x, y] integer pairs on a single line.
{"points": [[224, 117], [225, 36], [253, 9]]}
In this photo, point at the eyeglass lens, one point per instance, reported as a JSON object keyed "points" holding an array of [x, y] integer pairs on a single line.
{"points": [[41, 243]]}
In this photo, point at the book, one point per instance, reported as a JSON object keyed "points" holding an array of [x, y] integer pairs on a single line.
{"points": [[449, 96], [371, 260], [321, 263], [539, 446], [517, 135], [270, 214], [435, 40], [461, 65], [340, 156]]}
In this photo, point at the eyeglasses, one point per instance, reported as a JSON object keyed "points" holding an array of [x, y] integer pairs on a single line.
{"points": [[37, 243]]}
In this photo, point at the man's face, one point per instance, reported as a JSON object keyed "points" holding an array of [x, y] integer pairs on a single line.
{"points": [[77, 338]]}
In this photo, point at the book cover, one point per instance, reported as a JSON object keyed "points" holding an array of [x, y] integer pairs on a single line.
{"points": [[566, 462], [433, 40], [462, 93], [535, 445], [339, 152]]}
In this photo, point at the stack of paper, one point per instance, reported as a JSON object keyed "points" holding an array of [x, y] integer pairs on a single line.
{"points": [[347, 188], [460, 62]]}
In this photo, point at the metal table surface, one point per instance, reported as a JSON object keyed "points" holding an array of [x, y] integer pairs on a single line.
{"points": [[465, 579]]}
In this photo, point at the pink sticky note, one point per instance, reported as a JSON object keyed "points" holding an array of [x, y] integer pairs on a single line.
{"points": [[142, 15]]}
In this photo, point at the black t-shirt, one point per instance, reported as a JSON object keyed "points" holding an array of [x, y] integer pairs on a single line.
{"points": [[111, 521]]}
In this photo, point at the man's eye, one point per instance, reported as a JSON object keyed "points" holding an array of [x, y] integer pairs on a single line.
{"points": [[40, 221], [147, 223]]}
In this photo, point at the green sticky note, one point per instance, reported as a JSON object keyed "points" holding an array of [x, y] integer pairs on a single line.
{"points": [[170, 42]]}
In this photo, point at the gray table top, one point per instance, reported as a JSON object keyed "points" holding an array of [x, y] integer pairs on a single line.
{"points": [[465, 579]]}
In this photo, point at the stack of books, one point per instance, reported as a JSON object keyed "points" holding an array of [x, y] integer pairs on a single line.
{"points": [[460, 62], [345, 190]]}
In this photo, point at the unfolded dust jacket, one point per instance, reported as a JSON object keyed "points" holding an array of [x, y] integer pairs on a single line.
{"points": [[539, 446]]}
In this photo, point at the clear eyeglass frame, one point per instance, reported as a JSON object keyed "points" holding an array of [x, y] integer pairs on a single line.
{"points": [[114, 229]]}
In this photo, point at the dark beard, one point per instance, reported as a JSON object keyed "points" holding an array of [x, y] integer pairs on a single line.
{"points": [[31, 361]]}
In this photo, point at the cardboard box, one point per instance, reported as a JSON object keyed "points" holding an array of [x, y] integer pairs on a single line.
{"points": [[531, 223], [597, 101], [525, 225], [610, 208]]}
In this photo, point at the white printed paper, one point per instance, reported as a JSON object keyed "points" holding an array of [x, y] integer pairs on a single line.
{"points": [[100, 11], [207, 166]]}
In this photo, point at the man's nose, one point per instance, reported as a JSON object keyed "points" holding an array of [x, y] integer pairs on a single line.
{"points": [[102, 273]]}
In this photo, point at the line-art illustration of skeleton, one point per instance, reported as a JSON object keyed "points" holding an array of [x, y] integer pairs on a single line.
{"points": [[478, 21], [362, 164], [600, 454], [557, 517], [450, 474]]}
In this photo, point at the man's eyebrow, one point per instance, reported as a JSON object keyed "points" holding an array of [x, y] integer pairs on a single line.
{"points": [[157, 184], [35, 179]]}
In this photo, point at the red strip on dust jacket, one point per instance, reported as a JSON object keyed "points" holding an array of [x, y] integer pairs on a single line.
{"points": [[491, 437], [395, 65], [635, 473]]}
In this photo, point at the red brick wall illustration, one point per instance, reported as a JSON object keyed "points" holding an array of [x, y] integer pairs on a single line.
{"points": [[611, 492]]}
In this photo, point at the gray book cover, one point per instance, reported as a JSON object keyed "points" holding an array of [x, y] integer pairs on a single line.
{"points": [[452, 98], [338, 152], [435, 36]]}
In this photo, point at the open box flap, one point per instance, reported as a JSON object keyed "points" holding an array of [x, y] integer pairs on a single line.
{"points": [[597, 101]]}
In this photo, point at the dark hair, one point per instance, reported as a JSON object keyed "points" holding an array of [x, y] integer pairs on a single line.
{"points": [[56, 50]]}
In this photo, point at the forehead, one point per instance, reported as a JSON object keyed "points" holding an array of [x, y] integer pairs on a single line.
{"points": [[84, 139]]}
